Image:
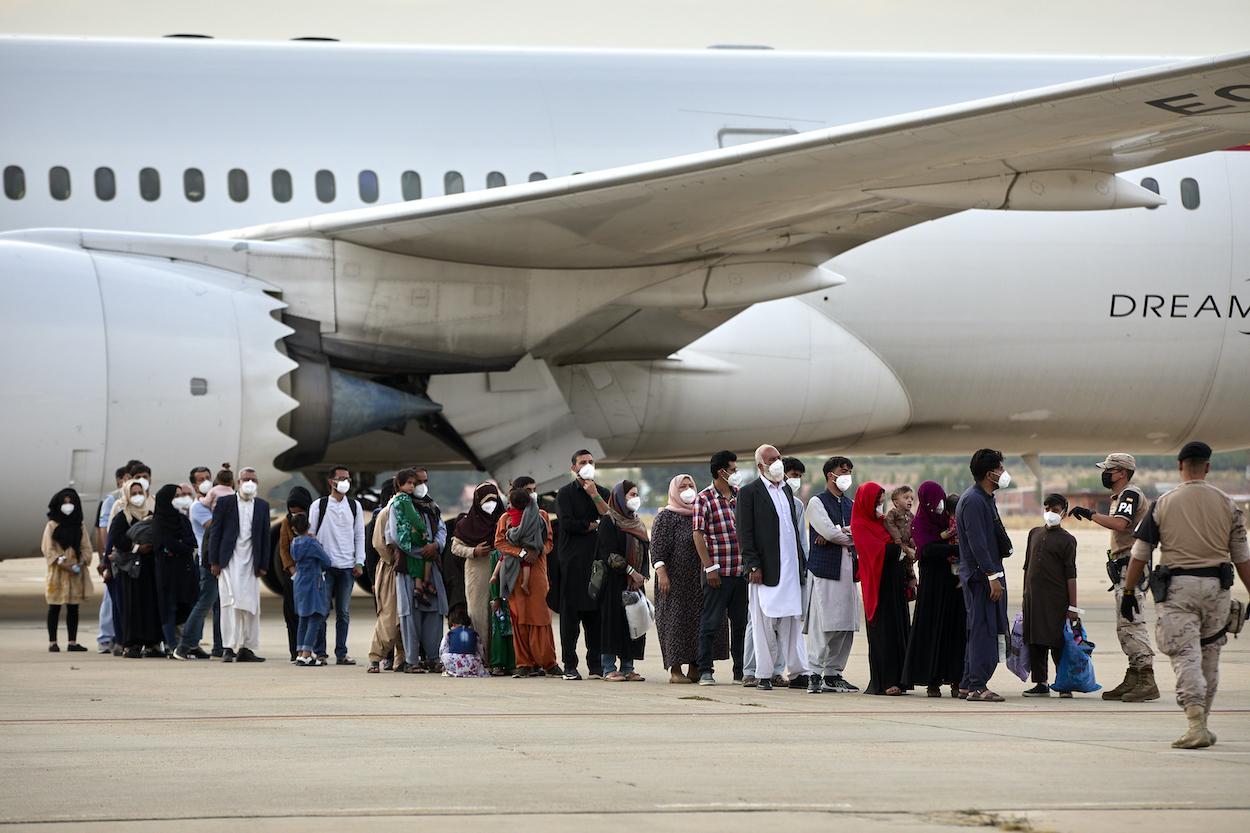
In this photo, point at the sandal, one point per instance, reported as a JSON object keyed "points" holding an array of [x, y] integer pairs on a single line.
{"points": [[498, 672], [615, 677], [984, 696], [373, 669], [894, 691], [955, 691], [963, 693], [634, 677], [934, 691]]}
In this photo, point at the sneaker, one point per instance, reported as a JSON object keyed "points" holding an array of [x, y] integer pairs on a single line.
{"points": [[815, 684], [572, 675], [227, 655], [118, 650], [520, 672], [104, 648], [553, 671], [840, 685], [595, 677], [799, 681], [749, 681], [246, 655], [706, 678], [180, 654], [764, 685], [75, 647], [1039, 690], [199, 653], [345, 661], [217, 653], [304, 662]]}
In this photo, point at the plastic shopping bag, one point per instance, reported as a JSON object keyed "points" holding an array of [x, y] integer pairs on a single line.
{"points": [[1076, 667], [1018, 651]]}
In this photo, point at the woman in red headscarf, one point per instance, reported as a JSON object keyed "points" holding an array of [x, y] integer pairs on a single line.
{"points": [[882, 577]]}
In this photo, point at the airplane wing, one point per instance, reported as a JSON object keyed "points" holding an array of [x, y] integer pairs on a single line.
{"points": [[827, 191]]}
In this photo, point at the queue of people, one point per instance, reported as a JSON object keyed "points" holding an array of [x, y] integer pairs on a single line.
{"points": [[744, 573]]}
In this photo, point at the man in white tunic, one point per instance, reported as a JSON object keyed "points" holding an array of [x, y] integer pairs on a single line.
{"points": [[769, 540], [832, 612], [238, 556]]}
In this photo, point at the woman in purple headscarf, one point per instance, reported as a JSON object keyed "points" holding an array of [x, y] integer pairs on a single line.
{"points": [[935, 651]]}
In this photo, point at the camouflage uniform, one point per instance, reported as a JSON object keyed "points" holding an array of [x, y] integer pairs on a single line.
{"points": [[1134, 638]]}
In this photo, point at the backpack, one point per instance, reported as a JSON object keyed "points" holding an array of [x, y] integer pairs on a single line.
{"points": [[324, 503]]}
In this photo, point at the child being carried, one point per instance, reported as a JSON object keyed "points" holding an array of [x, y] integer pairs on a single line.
{"points": [[408, 527]]}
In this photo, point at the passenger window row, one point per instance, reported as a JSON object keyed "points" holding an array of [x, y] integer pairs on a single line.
{"points": [[1190, 196], [281, 184]]}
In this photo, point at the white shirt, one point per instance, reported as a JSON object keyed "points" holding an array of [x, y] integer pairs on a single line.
{"points": [[247, 510], [786, 599], [342, 537]]}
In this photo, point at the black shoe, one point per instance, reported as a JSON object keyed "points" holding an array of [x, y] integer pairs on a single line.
{"points": [[764, 685], [74, 646], [180, 654], [227, 655], [572, 674], [814, 684], [799, 681], [839, 685], [198, 653], [246, 655], [217, 653], [153, 653], [133, 652], [1039, 690], [54, 648], [345, 661]]}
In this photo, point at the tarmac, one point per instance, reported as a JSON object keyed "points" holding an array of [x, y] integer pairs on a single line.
{"points": [[97, 743]]}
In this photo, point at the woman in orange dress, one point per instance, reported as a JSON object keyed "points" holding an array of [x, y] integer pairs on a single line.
{"points": [[531, 619]]}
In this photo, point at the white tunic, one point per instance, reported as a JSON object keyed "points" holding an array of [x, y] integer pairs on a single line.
{"points": [[832, 605], [239, 586], [786, 598]]}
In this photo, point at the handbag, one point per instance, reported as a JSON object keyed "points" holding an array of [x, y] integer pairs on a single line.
{"points": [[598, 570], [125, 563], [639, 612], [1018, 660]]}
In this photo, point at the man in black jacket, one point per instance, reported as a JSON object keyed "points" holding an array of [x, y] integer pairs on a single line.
{"points": [[239, 555], [768, 536], [579, 505]]}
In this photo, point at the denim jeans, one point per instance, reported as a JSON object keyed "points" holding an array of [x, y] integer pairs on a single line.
{"points": [[309, 628], [105, 636], [206, 603], [339, 582], [609, 665]]}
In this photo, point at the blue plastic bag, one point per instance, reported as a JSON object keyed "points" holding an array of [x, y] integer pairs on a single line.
{"points": [[1076, 667], [1018, 650]]}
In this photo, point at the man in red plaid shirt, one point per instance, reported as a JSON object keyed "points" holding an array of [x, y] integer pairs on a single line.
{"points": [[725, 586]]}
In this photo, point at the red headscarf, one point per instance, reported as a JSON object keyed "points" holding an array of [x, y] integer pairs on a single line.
{"points": [[871, 538]]}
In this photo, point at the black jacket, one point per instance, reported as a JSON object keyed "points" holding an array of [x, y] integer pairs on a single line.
{"points": [[226, 532], [759, 531], [575, 550]]}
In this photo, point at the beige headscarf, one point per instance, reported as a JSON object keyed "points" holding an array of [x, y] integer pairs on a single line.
{"points": [[134, 513]]}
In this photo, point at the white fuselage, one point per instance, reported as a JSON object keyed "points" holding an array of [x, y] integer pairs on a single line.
{"points": [[1032, 332]]}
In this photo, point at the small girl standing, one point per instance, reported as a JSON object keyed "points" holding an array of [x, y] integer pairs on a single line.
{"points": [[312, 604], [461, 651], [67, 549]]}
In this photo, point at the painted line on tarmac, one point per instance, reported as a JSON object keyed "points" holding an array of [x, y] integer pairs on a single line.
{"points": [[760, 712]]}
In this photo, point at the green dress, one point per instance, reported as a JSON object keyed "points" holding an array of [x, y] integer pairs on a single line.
{"points": [[412, 533], [502, 655]]}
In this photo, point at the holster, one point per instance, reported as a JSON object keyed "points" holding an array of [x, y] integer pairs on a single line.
{"points": [[1160, 578], [1226, 575], [1114, 572], [1236, 617]]}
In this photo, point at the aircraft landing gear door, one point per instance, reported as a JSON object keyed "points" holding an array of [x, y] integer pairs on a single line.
{"points": [[730, 136]]}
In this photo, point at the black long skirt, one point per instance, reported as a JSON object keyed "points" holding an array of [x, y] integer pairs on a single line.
{"points": [[888, 630], [935, 652], [142, 611]]}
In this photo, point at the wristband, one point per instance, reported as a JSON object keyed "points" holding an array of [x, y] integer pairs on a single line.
{"points": [[657, 565], [995, 576], [711, 569], [1074, 609]]}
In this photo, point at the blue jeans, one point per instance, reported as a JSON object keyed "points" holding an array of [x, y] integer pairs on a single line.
{"points": [[106, 619], [310, 627], [609, 665], [339, 583], [193, 628]]}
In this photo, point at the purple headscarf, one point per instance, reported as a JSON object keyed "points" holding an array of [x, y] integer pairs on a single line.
{"points": [[929, 524]]}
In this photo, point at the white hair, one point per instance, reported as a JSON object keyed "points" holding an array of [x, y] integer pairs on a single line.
{"points": [[246, 469], [759, 454]]}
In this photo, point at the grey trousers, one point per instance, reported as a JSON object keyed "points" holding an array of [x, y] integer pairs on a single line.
{"points": [[828, 652]]}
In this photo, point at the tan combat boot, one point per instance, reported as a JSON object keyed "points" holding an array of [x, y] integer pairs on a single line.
{"points": [[1144, 690], [1130, 681], [1197, 737]]}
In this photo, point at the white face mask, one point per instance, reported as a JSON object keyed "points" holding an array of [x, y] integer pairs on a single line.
{"points": [[204, 487], [248, 488], [533, 497], [735, 479], [941, 506], [587, 472], [343, 486], [182, 503], [688, 496], [1051, 518], [776, 469], [633, 504], [489, 506], [794, 483], [137, 500], [67, 508], [843, 482], [145, 483], [1004, 480], [880, 511], [420, 491]]}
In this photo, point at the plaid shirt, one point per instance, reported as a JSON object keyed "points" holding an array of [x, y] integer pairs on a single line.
{"points": [[714, 517]]}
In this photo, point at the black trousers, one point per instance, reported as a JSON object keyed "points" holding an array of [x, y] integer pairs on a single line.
{"points": [[1037, 661], [288, 610], [588, 622], [71, 621], [730, 598]]}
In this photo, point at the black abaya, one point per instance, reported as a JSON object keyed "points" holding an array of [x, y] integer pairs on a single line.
{"points": [[888, 630], [935, 651]]}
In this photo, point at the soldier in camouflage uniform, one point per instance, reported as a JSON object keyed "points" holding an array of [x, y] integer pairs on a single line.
{"points": [[1201, 538], [1128, 507]]}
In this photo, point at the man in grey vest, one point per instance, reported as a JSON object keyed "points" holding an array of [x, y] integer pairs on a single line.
{"points": [[832, 611]]}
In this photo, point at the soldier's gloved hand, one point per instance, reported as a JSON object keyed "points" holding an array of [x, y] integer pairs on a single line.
{"points": [[1082, 513], [1129, 606]]}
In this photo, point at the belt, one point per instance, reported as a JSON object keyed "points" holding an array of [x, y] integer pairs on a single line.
{"points": [[1200, 572], [1123, 560]]}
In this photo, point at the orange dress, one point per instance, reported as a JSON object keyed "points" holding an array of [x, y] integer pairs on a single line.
{"points": [[531, 619]]}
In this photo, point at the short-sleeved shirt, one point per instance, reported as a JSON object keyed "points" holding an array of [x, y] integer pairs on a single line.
{"points": [[106, 509], [1198, 526], [714, 517], [1129, 504]]}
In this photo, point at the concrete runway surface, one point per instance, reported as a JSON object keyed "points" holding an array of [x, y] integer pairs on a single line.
{"points": [[95, 743]]}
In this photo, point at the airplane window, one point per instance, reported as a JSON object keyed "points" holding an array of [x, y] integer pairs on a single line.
{"points": [[58, 183], [537, 176], [368, 183], [453, 183], [150, 184], [105, 184], [14, 182], [193, 184], [494, 179], [281, 181], [410, 184], [1151, 184], [236, 184], [1189, 193], [325, 186]]}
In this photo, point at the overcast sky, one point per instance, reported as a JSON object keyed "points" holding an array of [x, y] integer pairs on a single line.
{"points": [[1143, 27]]}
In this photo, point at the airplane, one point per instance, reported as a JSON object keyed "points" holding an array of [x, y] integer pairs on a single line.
{"points": [[283, 254]]}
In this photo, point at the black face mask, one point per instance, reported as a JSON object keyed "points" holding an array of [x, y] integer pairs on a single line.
{"points": [[1107, 480]]}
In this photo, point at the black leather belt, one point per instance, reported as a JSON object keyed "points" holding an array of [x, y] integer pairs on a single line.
{"points": [[1201, 572]]}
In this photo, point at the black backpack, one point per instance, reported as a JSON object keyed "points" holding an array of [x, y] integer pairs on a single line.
{"points": [[324, 503]]}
